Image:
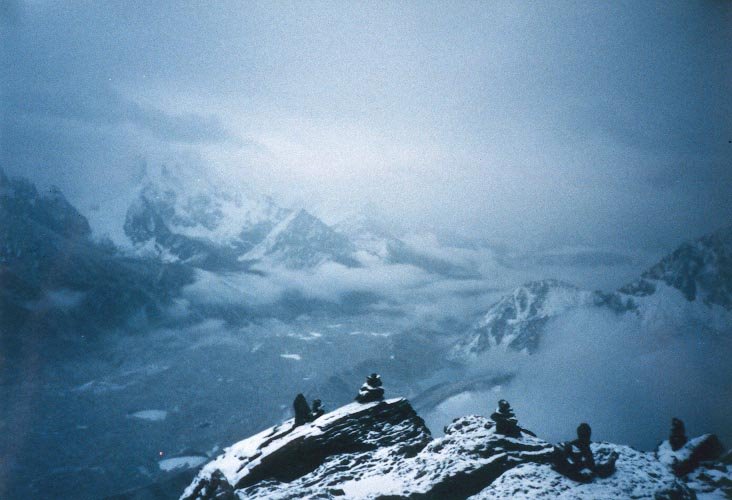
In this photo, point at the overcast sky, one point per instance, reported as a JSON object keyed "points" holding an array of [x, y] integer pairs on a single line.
{"points": [[554, 123]]}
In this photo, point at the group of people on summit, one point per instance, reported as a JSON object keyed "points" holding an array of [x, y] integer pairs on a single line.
{"points": [[573, 459]]}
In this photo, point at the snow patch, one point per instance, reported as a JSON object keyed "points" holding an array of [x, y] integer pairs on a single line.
{"points": [[188, 462], [150, 415]]}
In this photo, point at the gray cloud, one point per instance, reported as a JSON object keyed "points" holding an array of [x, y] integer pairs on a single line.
{"points": [[602, 368], [590, 124]]}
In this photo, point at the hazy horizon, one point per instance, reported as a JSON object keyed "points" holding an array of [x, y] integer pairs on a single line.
{"points": [[585, 124]]}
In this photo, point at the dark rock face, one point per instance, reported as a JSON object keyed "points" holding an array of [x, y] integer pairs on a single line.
{"points": [[20, 198], [56, 279], [576, 460], [302, 410], [317, 411], [505, 419], [284, 453]]}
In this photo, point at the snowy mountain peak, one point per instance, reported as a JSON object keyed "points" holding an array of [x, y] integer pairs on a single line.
{"points": [[517, 319], [302, 240], [700, 270], [184, 216], [194, 207]]}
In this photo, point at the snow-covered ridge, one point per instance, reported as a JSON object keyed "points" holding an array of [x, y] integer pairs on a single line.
{"points": [[302, 240], [189, 217], [195, 206], [689, 289], [700, 270], [382, 449], [516, 321]]}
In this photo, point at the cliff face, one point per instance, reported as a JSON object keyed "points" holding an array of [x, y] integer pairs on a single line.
{"points": [[383, 450]]}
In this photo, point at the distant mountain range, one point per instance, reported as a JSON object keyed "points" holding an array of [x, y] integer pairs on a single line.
{"points": [[194, 221], [57, 280], [693, 284]]}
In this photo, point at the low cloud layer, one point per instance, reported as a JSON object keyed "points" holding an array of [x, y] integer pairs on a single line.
{"points": [[626, 381]]}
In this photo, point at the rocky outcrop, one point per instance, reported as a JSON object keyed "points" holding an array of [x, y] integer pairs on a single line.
{"points": [[638, 475], [390, 456], [383, 450], [286, 453], [703, 449]]}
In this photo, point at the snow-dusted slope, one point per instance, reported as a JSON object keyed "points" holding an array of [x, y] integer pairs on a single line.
{"points": [[186, 216], [302, 240], [701, 270], [517, 320], [639, 475], [383, 450], [688, 290]]}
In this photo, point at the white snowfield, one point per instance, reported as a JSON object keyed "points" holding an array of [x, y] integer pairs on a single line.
{"points": [[382, 449]]}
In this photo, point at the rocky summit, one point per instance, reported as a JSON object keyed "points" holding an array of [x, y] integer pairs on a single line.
{"points": [[383, 450]]}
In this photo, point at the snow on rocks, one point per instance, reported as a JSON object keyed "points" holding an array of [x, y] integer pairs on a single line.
{"points": [[382, 449], [178, 463], [701, 465], [367, 451], [284, 454], [639, 475]]}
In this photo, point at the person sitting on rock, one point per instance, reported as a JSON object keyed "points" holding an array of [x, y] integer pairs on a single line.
{"points": [[576, 461], [678, 434], [505, 419], [302, 410], [371, 390], [317, 410]]}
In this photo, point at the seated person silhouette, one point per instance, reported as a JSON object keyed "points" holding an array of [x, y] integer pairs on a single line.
{"points": [[575, 459]]}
